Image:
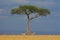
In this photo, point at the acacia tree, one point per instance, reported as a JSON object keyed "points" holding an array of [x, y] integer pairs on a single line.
{"points": [[29, 10]]}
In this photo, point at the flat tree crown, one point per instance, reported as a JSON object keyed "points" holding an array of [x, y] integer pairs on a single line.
{"points": [[29, 9]]}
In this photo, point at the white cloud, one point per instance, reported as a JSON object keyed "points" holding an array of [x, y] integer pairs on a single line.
{"points": [[3, 16], [33, 2], [10, 2], [56, 14], [1, 11], [44, 3], [20, 1]]}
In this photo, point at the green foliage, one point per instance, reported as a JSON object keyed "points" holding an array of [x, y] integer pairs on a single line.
{"points": [[43, 12], [29, 9]]}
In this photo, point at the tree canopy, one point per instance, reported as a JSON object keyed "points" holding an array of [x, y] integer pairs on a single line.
{"points": [[29, 9]]}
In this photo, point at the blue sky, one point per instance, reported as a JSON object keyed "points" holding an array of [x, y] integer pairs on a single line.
{"points": [[17, 23]]}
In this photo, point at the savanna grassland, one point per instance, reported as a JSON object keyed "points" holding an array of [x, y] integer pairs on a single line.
{"points": [[29, 37]]}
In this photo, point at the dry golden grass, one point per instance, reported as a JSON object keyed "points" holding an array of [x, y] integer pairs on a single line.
{"points": [[29, 37]]}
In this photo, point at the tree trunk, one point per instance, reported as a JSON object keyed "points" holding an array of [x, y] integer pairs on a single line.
{"points": [[28, 25]]}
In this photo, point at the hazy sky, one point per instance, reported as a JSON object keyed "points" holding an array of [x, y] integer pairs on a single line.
{"points": [[17, 23]]}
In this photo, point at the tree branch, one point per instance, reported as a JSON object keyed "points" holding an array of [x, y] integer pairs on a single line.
{"points": [[34, 17]]}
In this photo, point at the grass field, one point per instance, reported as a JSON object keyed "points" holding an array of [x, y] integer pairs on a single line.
{"points": [[29, 37]]}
